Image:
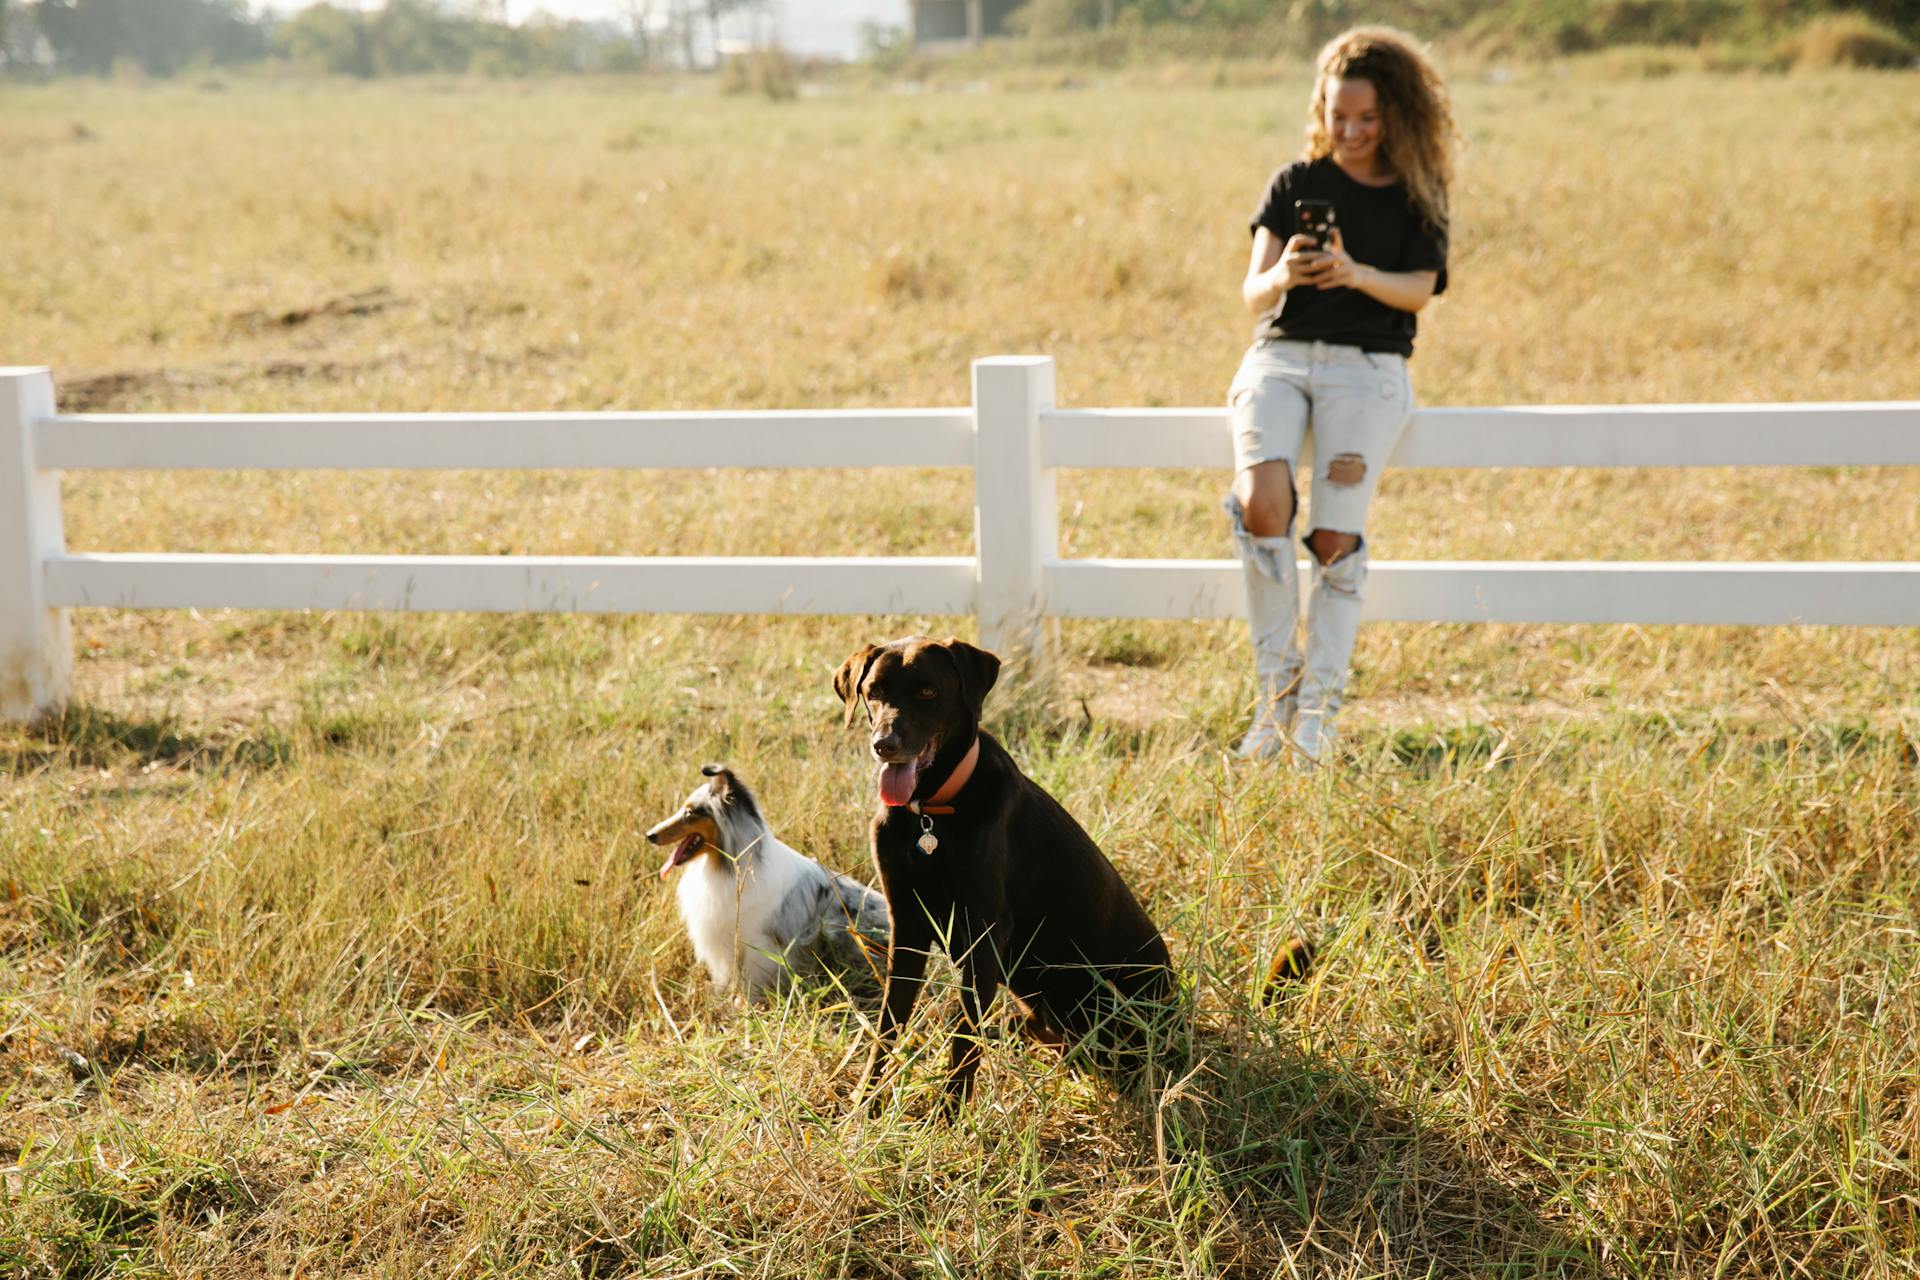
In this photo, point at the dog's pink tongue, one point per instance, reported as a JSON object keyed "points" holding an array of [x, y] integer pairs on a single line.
{"points": [[896, 782], [682, 852]]}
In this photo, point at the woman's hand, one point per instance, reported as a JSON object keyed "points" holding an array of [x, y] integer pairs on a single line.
{"points": [[1301, 262], [1275, 268], [1336, 269]]}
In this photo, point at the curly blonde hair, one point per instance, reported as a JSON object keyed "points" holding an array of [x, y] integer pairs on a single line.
{"points": [[1418, 136]]}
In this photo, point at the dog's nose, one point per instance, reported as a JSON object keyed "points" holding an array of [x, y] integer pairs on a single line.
{"points": [[885, 744]]}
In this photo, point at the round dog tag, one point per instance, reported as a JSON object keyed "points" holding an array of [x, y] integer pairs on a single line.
{"points": [[927, 841]]}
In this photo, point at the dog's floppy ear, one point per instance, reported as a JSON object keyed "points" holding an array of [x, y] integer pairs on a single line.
{"points": [[846, 681], [978, 670], [722, 779]]}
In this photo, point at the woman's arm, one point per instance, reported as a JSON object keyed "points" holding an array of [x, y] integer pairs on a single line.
{"points": [[1273, 269], [1401, 290]]}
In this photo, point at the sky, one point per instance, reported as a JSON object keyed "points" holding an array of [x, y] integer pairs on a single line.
{"points": [[806, 26]]}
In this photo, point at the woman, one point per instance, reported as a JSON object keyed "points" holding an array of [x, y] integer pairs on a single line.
{"points": [[1330, 355]]}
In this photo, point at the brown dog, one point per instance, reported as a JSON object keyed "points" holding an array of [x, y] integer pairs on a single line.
{"points": [[973, 854]]}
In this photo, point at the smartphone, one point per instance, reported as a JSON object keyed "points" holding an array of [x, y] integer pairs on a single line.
{"points": [[1315, 218]]}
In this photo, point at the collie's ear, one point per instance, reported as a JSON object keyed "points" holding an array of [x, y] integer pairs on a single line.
{"points": [[978, 670], [722, 779], [846, 681]]}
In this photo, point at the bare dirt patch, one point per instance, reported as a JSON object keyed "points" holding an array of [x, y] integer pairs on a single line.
{"points": [[365, 302]]}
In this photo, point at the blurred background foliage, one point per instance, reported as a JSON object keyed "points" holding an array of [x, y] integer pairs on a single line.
{"points": [[409, 37]]}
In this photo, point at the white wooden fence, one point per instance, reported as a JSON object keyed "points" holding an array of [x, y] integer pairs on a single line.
{"points": [[1012, 437]]}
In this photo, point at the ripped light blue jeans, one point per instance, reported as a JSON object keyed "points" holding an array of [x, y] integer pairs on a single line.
{"points": [[1356, 404]]}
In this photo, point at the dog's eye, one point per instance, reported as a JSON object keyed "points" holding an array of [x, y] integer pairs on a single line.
{"points": [[928, 691]]}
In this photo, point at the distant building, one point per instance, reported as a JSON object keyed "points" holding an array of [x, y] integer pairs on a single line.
{"points": [[949, 24]]}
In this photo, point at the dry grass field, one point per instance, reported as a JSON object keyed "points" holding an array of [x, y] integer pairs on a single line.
{"points": [[329, 945]]}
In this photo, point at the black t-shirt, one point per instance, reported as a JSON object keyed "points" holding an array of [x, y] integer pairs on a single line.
{"points": [[1380, 229]]}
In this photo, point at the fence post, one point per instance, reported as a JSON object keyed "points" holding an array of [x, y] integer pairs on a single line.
{"points": [[36, 644], [1015, 525]]}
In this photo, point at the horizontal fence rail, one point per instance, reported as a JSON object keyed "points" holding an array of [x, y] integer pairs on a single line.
{"points": [[1013, 439], [1878, 434], [1749, 435]]}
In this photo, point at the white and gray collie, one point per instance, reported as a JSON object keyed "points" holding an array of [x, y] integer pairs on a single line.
{"points": [[757, 910]]}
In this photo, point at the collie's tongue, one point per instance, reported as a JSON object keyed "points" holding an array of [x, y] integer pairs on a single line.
{"points": [[682, 852], [896, 782]]}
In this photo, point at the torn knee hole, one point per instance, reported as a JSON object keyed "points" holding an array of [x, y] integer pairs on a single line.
{"points": [[1347, 468], [1329, 547]]}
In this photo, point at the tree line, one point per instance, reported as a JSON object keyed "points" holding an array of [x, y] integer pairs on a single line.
{"points": [[404, 37]]}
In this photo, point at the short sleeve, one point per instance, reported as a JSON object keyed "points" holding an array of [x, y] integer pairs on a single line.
{"points": [[1425, 249], [1275, 211]]}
